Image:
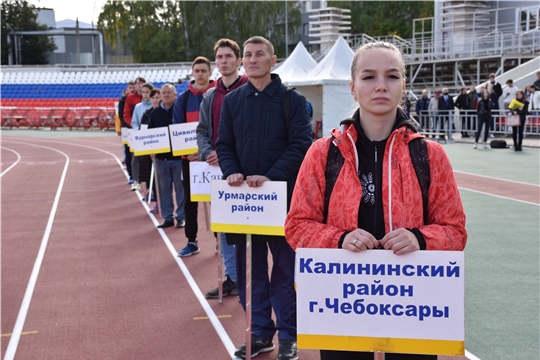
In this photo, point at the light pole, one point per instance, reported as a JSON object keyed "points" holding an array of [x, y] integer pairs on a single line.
{"points": [[286, 31]]}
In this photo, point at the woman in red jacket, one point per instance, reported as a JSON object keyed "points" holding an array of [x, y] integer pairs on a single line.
{"points": [[376, 200]]}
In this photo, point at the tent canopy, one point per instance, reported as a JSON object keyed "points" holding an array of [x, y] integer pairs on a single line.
{"points": [[297, 64], [326, 86], [333, 69]]}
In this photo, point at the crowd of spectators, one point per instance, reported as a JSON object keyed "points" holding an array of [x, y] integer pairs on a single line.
{"points": [[480, 108]]}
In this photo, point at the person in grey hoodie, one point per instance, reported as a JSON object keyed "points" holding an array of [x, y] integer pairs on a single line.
{"points": [[138, 112]]}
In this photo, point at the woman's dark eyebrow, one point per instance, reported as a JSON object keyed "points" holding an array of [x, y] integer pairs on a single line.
{"points": [[371, 70]]}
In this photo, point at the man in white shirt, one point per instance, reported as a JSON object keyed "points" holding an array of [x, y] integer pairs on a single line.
{"points": [[534, 99], [509, 93]]}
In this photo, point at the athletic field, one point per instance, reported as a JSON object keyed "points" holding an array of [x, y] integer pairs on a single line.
{"points": [[86, 274]]}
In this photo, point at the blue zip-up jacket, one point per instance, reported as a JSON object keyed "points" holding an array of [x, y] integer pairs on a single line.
{"points": [[193, 104], [162, 117], [253, 138], [138, 112]]}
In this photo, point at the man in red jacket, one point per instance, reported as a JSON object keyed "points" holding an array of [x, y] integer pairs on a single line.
{"points": [[132, 99], [228, 59]]}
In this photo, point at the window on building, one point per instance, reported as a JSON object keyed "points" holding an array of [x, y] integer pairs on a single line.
{"points": [[528, 19]]}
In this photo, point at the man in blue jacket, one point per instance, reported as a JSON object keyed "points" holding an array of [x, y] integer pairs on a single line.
{"points": [[257, 143], [186, 109], [168, 166], [422, 110]]}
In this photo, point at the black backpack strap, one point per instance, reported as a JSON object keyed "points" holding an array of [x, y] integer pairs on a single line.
{"points": [[287, 107], [334, 163], [420, 159]]}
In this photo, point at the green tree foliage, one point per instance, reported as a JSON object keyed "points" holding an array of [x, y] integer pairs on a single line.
{"points": [[381, 18], [21, 16], [168, 31]]}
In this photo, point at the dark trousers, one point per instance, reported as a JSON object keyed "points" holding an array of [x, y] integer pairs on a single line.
{"points": [[276, 292], [128, 154], [465, 124], [135, 167], [191, 208], [424, 121], [483, 121], [517, 133], [350, 355]]}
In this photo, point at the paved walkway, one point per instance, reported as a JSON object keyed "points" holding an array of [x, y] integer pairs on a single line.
{"points": [[532, 141]]}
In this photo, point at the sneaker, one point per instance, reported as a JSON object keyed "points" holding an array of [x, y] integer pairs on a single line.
{"points": [[288, 350], [134, 186], [130, 181], [190, 249], [258, 346], [155, 209], [491, 135], [180, 223], [229, 288], [475, 146]]}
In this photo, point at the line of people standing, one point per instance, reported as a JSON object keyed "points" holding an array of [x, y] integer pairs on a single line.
{"points": [[245, 129], [255, 156]]}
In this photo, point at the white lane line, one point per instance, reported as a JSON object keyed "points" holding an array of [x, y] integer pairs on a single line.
{"points": [[495, 178], [471, 356], [23, 311], [12, 165], [220, 330], [499, 196]]}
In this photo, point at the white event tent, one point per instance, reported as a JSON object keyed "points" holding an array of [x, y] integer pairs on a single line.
{"points": [[327, 86], [296, 65]]}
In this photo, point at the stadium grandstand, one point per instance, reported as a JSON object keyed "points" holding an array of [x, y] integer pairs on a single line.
{"points": [[74, 97], [459, 46]]}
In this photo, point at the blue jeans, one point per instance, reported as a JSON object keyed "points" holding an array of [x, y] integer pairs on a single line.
{"points": [[229, 258], [276, 292], [169, 172]]}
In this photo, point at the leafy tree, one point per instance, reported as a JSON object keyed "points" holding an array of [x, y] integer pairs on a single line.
{"points": [[380, 18], [169, 31], [21, 16]]}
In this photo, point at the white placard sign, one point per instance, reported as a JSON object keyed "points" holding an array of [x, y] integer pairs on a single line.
{"points": [[202, 175], [152, 141], [184, 138], [246, 210], [125, 134], [378, 301]]}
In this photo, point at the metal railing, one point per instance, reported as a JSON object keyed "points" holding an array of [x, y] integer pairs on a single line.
{"points": [[479, 44], [472, 35], [466, 121]]}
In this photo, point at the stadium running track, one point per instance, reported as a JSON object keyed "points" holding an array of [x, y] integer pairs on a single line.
{"points": [[86, 274]]}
